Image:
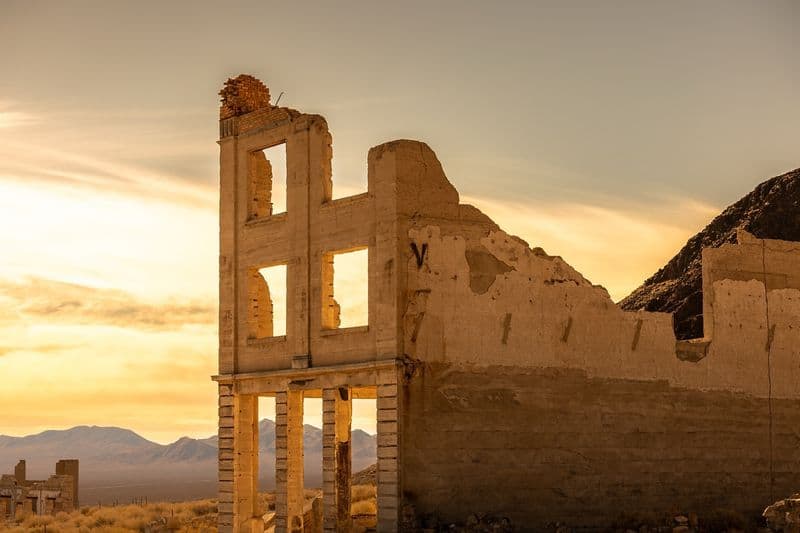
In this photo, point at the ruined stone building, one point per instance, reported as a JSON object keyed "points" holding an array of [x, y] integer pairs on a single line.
{"points": [[506, 382], [58, 492]]}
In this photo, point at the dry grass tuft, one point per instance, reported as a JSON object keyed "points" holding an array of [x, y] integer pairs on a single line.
{"points": [[364, 507], [193, 516], [363, 492], [198, 516]]}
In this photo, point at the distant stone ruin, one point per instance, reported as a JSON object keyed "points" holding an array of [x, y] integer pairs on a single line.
{"points": [[507, 384], [57, 493]]}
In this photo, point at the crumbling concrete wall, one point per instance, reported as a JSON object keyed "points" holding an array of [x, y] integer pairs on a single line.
{"points": [[536, 397], [543, 445], [57, 493]]}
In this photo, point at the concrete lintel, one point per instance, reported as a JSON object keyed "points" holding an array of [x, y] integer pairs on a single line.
{"points": [[295, 373]]}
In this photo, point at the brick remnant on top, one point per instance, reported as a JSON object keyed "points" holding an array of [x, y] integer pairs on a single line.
{"points": [[243, 94]]}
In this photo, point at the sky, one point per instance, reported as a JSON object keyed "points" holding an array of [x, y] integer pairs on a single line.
{"points": [[605, 132]]}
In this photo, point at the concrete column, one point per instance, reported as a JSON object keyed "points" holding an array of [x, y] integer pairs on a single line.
{"points": [[337, 415], [289, 497], [388, 480], [225, 453], [247, 516]]}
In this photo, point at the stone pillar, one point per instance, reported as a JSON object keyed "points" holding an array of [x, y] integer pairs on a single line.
{"points": [[337, 414], [388, 480], [238, 463], [289, 496], [70, 467], [19, 471], [225, 452]]}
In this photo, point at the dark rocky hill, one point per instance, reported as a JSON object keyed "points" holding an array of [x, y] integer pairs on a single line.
{"points": [[771, 211]]}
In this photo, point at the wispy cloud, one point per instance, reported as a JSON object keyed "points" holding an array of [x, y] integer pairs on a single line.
{"points": [[128, 152], [33, 161], [13, 118], [154, 249], [39, 348], [54, 302]]}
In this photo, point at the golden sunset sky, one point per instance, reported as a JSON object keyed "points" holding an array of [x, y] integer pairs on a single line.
{"points": [[604, 132]]}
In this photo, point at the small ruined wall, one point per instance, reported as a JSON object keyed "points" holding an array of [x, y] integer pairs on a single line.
{"points": [[536, 397]]}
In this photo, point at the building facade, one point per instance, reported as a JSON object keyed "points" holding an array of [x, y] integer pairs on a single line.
{"points": [[505, 381]]}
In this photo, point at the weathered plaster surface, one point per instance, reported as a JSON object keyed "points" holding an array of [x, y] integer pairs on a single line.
{"points": [[537, 311], [546, 445]]}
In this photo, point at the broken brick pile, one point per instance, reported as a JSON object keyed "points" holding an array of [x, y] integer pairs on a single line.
{"points": [[243, 94]]}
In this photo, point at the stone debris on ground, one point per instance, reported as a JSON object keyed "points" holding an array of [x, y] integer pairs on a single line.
{"points": [[784, 515], [474, 523]]}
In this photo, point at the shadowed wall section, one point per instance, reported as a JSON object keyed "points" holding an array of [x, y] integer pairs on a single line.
{"points": [[553, 445]]}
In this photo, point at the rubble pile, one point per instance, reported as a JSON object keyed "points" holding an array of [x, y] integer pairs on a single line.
{"points": [[784, 515]]}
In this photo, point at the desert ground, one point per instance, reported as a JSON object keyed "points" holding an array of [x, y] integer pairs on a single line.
{"points": [[197, 516]]}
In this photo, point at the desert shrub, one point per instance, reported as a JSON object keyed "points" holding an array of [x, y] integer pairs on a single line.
{"points": [[33, 521], [204, 508], [362, 492], [364, 507], [158, 508], [21, 515], [105, 517]]}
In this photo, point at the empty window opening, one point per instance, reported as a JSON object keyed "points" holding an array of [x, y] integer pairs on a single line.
{"points": [[266, 174], [266, 455], [349, 159], [345, 289], [364, 497], [354, 168], [312, 446], [267, 302]]}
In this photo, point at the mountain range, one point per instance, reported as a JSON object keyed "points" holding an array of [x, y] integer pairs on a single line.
{"points": [[117, 464]]}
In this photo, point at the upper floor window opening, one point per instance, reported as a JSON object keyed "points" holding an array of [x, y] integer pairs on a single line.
{"points": [[345, 289], [267, 182]]}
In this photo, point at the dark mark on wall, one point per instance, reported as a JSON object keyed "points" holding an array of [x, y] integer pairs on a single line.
{"points": [[506, 327], [636, 334], [419, 254], [567, 329]]}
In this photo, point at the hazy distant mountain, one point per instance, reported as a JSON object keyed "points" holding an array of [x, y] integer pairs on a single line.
{"points": [[117, 463]]}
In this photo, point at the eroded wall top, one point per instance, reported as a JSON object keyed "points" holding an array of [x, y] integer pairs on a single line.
{"points": [[243, 94]]}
